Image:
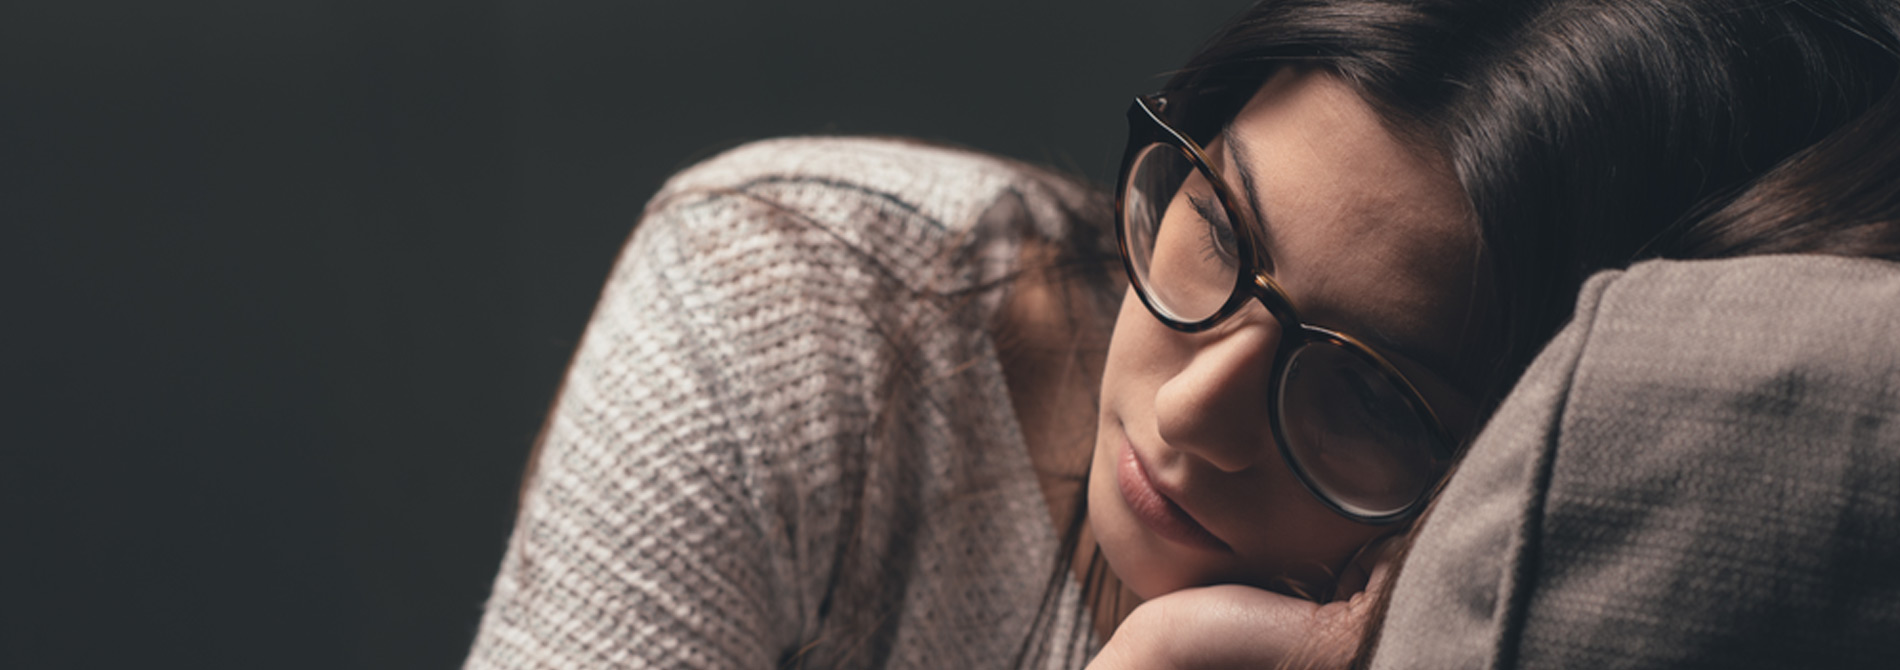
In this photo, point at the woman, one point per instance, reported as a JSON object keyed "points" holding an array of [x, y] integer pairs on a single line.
{"points": [[834, 407], [1582, 135]]}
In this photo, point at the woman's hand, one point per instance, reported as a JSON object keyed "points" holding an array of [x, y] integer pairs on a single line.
{"points": [[1233, 626]]}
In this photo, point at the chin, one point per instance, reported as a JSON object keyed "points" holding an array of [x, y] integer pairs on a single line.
{"points": [[1150, 566]]}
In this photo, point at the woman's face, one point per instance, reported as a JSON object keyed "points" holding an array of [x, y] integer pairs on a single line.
{"points": [[1367, 236]]}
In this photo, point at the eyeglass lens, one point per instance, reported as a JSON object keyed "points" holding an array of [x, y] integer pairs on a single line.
{"points": [[1352, 432], [1180, 238], [1345, 424]]}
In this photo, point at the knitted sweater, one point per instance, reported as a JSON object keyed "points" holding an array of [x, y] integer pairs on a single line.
{"points": [[785, 439]]}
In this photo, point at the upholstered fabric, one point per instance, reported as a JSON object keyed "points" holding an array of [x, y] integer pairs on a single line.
{"points": [[1703, 470], [785, 439]]}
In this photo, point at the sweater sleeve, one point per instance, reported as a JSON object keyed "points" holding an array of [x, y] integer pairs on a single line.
{"points": [[642, 539], [749, 447]]}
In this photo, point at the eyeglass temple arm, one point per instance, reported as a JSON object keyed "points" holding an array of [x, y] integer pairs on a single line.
{"points": [[1271, 296]]}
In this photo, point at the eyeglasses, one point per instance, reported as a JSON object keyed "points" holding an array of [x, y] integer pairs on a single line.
{"points": [[1357, 434]]}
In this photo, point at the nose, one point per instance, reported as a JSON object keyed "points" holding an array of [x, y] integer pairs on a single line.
{"points": [[1216, 407]]}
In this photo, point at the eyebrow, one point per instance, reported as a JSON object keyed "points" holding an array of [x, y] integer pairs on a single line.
{"points": [[1242, 160]]}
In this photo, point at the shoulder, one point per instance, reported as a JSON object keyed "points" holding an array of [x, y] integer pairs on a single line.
{"points": [[880, 224], [894, 200], [790, 291], [801, 250], [947, 186]]}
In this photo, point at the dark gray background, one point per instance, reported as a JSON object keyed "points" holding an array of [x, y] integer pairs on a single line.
{"points": [[288, 285]]}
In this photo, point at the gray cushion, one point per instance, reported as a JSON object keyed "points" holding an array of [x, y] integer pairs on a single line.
{"points": [[1702, 470]]}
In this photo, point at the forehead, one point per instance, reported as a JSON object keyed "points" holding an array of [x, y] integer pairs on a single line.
{"points": [[1368, 234]]}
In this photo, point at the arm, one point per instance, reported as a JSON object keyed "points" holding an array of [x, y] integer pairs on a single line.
{"points": [[647, 531], [785, 412]]}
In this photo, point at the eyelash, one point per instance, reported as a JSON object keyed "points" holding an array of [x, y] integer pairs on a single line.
{"points": [[1222, 249]]}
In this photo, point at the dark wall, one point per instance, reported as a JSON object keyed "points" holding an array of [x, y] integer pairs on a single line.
{"points": [[288, 285]]}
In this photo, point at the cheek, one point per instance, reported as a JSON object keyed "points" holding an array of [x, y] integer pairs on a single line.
{"points": [[1124, 372], [1141, 347], [1127, 376]]}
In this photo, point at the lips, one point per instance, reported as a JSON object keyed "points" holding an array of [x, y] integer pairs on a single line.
{"points": [[1156, 511]]}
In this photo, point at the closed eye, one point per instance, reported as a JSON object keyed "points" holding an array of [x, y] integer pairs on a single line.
{"points": [[1219, 232]]}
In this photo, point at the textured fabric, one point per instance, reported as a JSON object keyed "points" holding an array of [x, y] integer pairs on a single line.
{"points": [[785, 439], [1703, 470]]}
